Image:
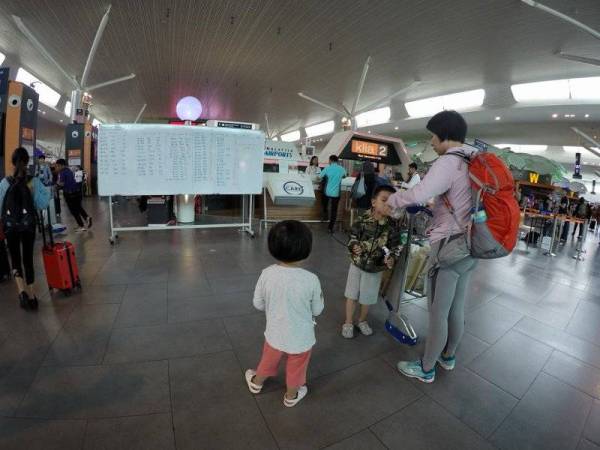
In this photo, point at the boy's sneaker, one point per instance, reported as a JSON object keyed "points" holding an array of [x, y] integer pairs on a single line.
{"points": [[447, 363], [252, 387], [365, 329], [299, 396], [348, 330], [414, 369], [89, 222]]}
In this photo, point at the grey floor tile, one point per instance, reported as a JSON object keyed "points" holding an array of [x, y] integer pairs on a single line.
{"points": [[148, 432], [246, 331], [475, 401], [470, 347], [38, 434], [98, 391], [584, 444], [107, 294], [538, 312], [490, 322], [575, 373], [561, 340], [216, 380], [143, 305], [13, 386], [196, 286], [166, 341], [83, 339], [337, 405], [230, 284], [210, 307], [551, 416], [360, 441], [501, 365], [592, 427], [584, 323], [562, 300], [426, 425]]}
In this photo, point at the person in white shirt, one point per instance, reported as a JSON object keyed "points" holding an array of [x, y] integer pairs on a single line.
{"points": [[313, 170], [78, 174], [291, 297], [413, 177]]}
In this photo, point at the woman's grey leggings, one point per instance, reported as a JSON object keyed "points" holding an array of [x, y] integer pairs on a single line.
{"points": [[446, 292]]}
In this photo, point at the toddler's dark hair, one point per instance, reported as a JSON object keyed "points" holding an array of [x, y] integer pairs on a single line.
{"points": [[290, 241]]}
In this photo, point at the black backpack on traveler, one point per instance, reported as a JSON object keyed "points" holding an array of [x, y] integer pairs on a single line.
{"points": [[18, 211]]}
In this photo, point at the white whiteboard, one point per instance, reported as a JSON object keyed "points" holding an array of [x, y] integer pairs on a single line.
{"points": [[147, 159]]}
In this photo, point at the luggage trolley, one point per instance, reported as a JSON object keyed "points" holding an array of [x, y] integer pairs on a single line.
{"points": [[407, 282]]}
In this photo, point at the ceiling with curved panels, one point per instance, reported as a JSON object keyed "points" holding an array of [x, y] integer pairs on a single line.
{"points": [[245, 58]]}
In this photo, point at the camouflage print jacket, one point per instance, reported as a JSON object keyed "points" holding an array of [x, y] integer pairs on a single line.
{"points": [[372, 235]]}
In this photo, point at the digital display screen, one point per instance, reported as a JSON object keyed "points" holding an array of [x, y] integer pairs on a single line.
{"points": [[370, 149]]}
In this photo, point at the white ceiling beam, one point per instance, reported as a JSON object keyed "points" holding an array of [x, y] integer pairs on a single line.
{"points": [[361, 85], [90, 58], [389, 98], [108, 83], [268, 126], [37, 44], [563, 17], [139, 116], [581, 59], [331, 108], [589, 139]]}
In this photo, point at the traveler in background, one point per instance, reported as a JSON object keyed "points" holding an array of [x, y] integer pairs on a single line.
{"points": [[563, 209], [413, 177], [78, 174], [448, 181], [290, 297], [581, 212], [313, 170], [55, 191], [332, 176], [43, 171], [21, 196], [72, 193], [367, 171]]}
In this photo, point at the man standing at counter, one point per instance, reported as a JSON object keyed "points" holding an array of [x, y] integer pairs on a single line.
{"points": [[332, 177], [413, 177], [449, 271]]}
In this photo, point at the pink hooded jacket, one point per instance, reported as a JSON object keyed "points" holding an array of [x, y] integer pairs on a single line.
{"points": [[448, 175]]}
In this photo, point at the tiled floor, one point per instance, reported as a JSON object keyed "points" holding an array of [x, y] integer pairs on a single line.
{"points": [[151, 354]]}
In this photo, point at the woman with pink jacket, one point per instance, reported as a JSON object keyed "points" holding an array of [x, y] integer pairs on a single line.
{"points": [[448, 182]]}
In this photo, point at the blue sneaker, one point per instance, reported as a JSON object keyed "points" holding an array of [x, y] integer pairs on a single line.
{"points": [[447, 363], [414, 369]]}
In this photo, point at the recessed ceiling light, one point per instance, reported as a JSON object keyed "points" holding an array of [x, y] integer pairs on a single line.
{"points": [[554, 116], [567, 116], [498, 118], [61, 120], [395, 128], [587, 115], [369, 131]]}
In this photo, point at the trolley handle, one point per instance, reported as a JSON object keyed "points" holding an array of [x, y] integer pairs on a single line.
{"points": [[414, 209]]}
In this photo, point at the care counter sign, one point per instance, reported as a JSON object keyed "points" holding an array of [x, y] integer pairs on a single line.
{"points": [[290, 189]]}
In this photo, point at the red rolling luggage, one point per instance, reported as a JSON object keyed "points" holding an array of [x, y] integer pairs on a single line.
{"points": [[60, 264]]}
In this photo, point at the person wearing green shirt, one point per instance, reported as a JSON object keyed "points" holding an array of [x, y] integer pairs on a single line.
{"points": [[332, 176]]}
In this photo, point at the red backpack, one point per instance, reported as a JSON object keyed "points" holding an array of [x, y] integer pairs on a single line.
{"points": [[493, 191]]}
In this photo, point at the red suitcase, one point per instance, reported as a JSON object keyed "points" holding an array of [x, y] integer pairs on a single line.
{"points": [[60, 264]]}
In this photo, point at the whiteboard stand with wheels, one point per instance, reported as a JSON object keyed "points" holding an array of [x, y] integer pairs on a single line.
{"points": [[149, 159]]}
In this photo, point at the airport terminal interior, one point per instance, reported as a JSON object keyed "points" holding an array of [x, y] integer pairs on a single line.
{"points": [[166, 164]]}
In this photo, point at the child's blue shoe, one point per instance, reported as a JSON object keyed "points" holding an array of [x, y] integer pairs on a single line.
{"points": [[414, 369], [447, 363]]}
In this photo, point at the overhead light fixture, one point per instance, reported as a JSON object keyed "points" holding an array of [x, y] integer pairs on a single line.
{"points": [[373, 117], [567, 115], [554, 116], [573, 90], [67, 109], [459, 101], [497, 118], [586, 116], [320, 129], [291, 136], [396, 128], [369, 131], [573, 149], [276, 139], [47, 95], [2, 58], [61, 121]]}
